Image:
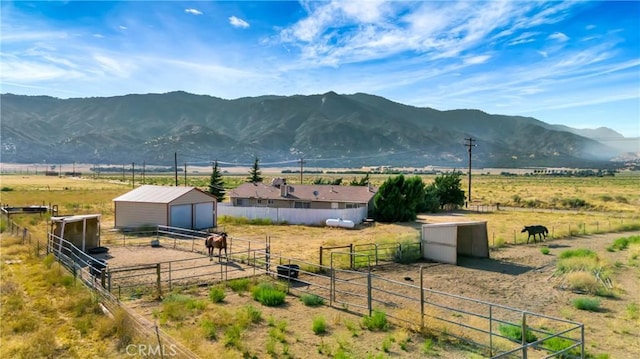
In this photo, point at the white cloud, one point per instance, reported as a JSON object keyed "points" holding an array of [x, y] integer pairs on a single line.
{"points": [[122, 27], [238, 22], [558, 36], [475, 60], [543, 54], [193, 11]]}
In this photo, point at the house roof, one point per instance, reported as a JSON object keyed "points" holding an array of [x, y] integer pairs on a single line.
{"points": [[301, 192], [156, 194]]}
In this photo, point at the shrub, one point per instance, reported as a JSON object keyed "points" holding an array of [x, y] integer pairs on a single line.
{"points": [[233, 336], [268, 295], [376, 322], [247, 315], [216, 294], [6, 189], [623, 243], [632, 311], [545, 250], [514, 332], [319, 325], [589, 304], [311, 300], [428, 346]]}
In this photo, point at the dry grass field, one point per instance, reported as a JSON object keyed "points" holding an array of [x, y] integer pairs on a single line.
{"points": [[612, 204]]}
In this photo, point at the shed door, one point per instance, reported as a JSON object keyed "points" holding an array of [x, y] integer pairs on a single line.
{"points": [[203, 215], [440, 244], [181, 216]]}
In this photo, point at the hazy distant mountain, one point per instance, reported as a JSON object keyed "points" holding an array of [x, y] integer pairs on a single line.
{"points": [[327, 130]]}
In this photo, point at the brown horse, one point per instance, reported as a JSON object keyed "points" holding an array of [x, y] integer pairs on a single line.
{"points": [[217, 241]]}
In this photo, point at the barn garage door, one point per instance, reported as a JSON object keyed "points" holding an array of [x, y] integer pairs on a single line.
{"points": [[203, 215], [181, 216]]}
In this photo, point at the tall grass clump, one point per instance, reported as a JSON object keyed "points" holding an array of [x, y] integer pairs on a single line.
{"points": [[311, 300], [209, 329], [216, 294], [557, 344], [588, 304], [319, 325], [267, 294], [376, 322], [583, 282], [177, 307], [248, 315]]}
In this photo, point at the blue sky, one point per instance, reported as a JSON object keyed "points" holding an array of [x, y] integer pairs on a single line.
{"points": [[571, 63]]}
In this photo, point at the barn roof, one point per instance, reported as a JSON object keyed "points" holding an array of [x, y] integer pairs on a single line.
{"points": [[318, 193], [156, 194]]}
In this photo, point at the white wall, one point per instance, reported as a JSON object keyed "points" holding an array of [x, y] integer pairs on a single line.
{"points": [[305, 216]]}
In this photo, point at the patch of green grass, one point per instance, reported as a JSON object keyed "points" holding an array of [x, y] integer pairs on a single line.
{"points": [[233, 337], [209, 329], [319, 325], [386, 344], [428, 346], [514, 332], [267, 294], [248, 315], [588, 304], [633, 312], [239, 285], [580, 252], [557, 344], [376, 322], [311, 300], [621, 244], [216, 294], [545, 250]]}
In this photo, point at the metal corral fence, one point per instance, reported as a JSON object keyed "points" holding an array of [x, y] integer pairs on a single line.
{"points": [[367, 254], [479, 323], [91, 272]]}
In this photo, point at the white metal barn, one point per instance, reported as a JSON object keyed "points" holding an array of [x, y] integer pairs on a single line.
{"points": [[443, 242], [182, 207]]}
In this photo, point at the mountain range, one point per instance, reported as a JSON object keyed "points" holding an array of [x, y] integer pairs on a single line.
{"points": [[327, 130]]}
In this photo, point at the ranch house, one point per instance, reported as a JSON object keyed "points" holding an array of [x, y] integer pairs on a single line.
{"points": [[181, 207], [279, 194]]}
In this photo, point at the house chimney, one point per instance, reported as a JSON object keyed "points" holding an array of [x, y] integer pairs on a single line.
{"points": [[284, 190]]}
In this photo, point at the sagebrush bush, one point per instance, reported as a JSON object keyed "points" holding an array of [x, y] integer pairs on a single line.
{"points": [[239, 285]]}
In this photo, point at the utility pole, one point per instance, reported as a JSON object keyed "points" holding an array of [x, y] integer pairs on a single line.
{"points": [[133, 175], [301, 168], [470, 145], [185, 173], [144, 164], [175, 166]]}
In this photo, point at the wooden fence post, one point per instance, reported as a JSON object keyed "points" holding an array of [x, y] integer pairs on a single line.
{"points": [[158, 280]]}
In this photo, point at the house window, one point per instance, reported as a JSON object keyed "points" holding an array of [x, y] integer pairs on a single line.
{"points": [[302, 205], [270, 202], [353, 205], [334, 205], [242, 202]]}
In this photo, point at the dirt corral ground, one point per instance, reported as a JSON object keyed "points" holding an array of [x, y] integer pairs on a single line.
{"points": [[519, 276]]}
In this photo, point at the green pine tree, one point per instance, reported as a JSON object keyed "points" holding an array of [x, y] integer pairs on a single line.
{"points": [[216, 184], [254, 173]]}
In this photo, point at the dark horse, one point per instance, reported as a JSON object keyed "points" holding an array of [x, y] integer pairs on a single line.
{"points": [[541, 231], [217, 240]]}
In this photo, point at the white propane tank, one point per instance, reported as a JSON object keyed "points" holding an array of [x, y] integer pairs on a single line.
{"points": [[344, 223]]}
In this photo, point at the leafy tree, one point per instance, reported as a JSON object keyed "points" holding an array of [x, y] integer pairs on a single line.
{"points": [[216, 184], [447, 187], [254, 173], [398, 198]]}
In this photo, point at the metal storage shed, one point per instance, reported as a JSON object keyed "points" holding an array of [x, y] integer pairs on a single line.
{"points": [[443, 242], [182, 207], [81, 230]]}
